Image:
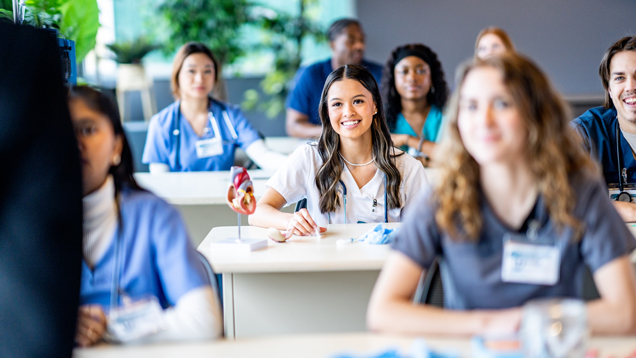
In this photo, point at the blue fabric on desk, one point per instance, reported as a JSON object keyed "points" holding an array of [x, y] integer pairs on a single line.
{"points": [[379, 235], [419, 349]]}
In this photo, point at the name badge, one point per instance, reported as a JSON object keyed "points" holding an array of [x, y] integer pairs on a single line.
{"points": [[209, 147], [530, 263], [135, 320]]}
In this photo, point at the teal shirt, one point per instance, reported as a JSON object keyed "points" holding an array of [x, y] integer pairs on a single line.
{"points": [[431, 128]]}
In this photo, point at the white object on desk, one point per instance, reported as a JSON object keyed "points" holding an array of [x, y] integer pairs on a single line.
{"points": [[300, 286]]}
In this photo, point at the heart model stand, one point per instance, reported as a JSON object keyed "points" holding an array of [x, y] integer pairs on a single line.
{"points": [[240, 198]]}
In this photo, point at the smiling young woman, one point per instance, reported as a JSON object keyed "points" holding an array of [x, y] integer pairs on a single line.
{"points": [[515, 182], [354, 157]]}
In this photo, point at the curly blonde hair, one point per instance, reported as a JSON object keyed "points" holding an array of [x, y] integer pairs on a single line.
{"points": [[553, 150]]}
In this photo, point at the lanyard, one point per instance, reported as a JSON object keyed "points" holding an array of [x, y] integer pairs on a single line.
{"points": [[176, 131], [622, 172], [115, 287], [344, 201]]}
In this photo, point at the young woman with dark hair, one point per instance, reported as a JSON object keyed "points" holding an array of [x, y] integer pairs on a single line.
{"points": [[137, 254], [354, 156], [415, 92], [198, 132], [517, 213]]}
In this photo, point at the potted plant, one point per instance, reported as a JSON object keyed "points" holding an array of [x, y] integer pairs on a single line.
{"points": [[131, 75], [76, 20]]}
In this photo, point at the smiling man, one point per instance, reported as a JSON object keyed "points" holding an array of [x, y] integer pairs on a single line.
{"points": [[609, 132], [347, 43]]}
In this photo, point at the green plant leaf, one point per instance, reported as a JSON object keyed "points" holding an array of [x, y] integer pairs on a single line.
{"points": [[6, 14], [80, 22]]}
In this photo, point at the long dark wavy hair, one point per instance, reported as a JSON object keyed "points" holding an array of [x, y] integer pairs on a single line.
{"points": [[330, 171], [97, 101], [436, 96]]}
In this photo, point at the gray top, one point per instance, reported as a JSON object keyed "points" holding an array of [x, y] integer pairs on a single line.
{"points": [[471, 271]]}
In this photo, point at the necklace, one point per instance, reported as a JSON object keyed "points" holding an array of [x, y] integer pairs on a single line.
{"points": [[356, 165]]}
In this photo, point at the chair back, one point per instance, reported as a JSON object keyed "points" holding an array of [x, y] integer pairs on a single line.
{"points": [[430, 290], [212, 277], [301, 204]]}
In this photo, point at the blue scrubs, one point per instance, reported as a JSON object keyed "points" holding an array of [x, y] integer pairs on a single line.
{"points": [[305, 98], [431, 128], [164, 141], [597, 128], [157, 258]]}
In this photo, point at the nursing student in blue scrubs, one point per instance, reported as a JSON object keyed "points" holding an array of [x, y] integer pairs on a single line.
{"points": [[198, 132], [514, 184], [609, 131], [138, 259], [415, 92], [353, 174]]}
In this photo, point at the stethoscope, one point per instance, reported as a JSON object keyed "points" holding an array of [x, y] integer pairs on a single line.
{"points": [[622, 173], [215, 127], [375, 202]]}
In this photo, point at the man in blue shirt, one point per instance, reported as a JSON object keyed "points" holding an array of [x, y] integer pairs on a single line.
{"points": [[609, 132], [347, 42]]}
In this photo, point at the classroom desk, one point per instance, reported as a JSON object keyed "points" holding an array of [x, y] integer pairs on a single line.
{"points": [[301, 286], [317, 346], [200, 196]]}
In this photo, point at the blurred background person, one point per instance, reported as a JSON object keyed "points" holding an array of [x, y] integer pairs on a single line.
{"points": [[198, 132], [415, 92], [493, 41], [347, 42]]}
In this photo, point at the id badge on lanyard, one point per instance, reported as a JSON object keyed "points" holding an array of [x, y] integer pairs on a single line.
{"points": [[527, 261], [213, 146], [135, 320]]}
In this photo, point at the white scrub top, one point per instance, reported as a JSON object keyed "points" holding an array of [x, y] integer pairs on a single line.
{"points": [[296, 181], [172, 141]]}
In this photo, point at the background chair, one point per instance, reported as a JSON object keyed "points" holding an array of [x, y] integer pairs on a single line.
{"points": [[430, 290], [215, 282], [301, 204]]}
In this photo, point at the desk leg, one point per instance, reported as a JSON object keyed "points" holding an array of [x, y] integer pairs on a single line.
{"points": [[228, 306]]}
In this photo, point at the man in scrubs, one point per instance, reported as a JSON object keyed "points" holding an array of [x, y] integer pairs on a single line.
{"points": [[599, 126], [347, 42]]}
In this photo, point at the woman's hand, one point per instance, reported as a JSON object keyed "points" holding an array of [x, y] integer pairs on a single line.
{"points": [[302, 224], [503, 321], [91, 325]]}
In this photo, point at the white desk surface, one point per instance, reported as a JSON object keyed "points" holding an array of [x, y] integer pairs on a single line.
{"points": [[298, 254], [197, 188], [316, 346]]}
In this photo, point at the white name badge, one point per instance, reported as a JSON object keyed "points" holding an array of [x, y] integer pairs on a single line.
{"points": [[209, 147], [136, 320], [532, 264]]}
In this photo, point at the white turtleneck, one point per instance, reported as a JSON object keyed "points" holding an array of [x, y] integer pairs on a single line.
{"points": [[196, 315], [100, 221]]}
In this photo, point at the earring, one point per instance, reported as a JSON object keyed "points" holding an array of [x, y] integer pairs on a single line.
{"points": [[116, 160], [376, 112]]}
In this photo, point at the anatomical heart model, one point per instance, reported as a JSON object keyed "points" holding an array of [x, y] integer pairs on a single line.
{"points": [[240, 193]]}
